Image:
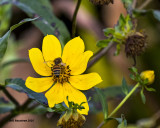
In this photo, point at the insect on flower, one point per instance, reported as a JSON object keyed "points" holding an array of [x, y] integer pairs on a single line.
{"points": [[62, 72]]}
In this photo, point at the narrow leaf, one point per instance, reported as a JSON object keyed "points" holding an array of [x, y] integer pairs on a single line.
{"points": [[103, 102], [143, 96], [4, 39], [103, 43], [124, 86]]}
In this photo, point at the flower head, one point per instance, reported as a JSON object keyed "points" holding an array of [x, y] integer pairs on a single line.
{"points": [[148, 74], [71, 119], [62, 72]]}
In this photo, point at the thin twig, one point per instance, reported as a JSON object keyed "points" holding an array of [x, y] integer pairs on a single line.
{"points": [[74, 18], [144, 4], [134, 4], [9, 96], [99, 54], [101, 124]]}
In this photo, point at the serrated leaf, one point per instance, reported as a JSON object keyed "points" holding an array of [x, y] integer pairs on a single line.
{"points": [[48, 23], [143, 96], [4, 39], [124, 86], [19, 85], [103, 43], [6, 106], [103, 102]]}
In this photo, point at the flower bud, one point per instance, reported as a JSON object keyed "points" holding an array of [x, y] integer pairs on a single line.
{"points": [[101, 2], [71, 119], [149, 74]]}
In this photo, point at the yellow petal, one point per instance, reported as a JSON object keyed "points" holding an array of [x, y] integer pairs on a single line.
{"points": [[51, 48], [55, 95], [86, 81], [39, 84], [75, 57], [80, 63], [75, 96], [38, 63]]}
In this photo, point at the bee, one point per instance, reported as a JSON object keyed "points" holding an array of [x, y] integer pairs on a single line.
{"points": [[56, 69]]}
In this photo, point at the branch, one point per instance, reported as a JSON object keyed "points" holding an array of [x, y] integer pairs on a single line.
{"points": [[144, 4], [100, 54], [74, 18], [9, 95]]}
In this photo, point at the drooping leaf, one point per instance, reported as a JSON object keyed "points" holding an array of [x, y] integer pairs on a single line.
{"points": [[150, 89], [6, 106], [48, 23], [19, 85], [4, 39], [124, 86], [103, 102], [143, 96]]}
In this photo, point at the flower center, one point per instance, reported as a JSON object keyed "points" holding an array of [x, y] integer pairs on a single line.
{"points": [[60, 72]]}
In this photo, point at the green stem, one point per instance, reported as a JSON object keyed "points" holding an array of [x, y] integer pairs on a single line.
{"points": [[74, 18], [124, 100], [120, 105], [9, 96]]}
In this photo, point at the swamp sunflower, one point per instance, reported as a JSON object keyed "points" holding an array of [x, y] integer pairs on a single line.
{"points": [[61, 72]]}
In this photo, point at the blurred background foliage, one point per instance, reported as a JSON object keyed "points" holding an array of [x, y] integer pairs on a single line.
{"points": [[91, 20]]}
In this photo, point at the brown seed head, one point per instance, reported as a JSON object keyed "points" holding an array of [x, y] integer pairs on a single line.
{"points": [[101, 2], [135, 44]]}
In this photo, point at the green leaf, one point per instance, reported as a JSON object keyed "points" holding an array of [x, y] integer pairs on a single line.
{"points": [[124, 86], [48, 22], [128, 4], [103, 43], [150, 89], [6, 106], [108, 31], [103, 102], [39, 110], [118, 49], [156, 14], [4, 39], [143, 96], [122, 124], [133, 70], [19, 85]]}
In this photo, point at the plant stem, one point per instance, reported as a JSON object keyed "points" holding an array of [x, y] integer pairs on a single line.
{"points": [[120, 105], [99, 54], [74, 18], [15, 112], [9, 96], [144, 4]]}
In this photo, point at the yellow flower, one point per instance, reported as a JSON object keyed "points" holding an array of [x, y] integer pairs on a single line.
{"points": [[148, 74], [62, 70]]}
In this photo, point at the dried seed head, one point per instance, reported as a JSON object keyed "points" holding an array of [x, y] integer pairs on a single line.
{"points": [[135, 44], [71, 119], [101, 2]]}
